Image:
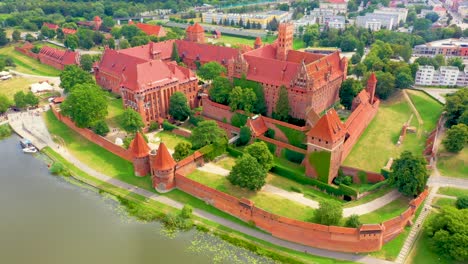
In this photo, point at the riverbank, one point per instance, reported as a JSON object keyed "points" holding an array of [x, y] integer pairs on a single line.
{"points": [[159, 210]]}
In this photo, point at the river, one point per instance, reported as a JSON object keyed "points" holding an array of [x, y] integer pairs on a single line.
{"points": [[47, 219]]}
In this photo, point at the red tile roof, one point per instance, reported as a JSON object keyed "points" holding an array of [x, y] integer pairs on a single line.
{"points": [[58, 100], [163, 159], [97, 19], [300, 56], [195, 28], [68, 31], [153, 30], [271, 71], [205, 52], [143, 52], [65, 57], [139, 147], [257, 126], [329, 127], [258, 41], [51, 26]]}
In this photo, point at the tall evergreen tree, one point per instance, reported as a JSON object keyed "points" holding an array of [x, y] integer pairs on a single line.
{"points": [[282, 105], [175, 53]]}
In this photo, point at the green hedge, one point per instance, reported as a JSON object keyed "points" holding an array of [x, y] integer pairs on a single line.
{"points": [[234, 152], [289, 174], [238, 120], [168, 126], [293, 156], [320, 160], [212, 151], [295, 137], [377, 185], [385, 173]]}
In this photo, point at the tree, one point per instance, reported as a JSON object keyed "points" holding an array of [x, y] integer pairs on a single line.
{"points": [[30, 99], [60, 34], [4, 103], [448, 233], [356, 58], [19, 98], [85, 104], [462, 202], [207, 132], [409, 174], [457, 62], [432, 16], [124, 44], [329, 213], [211, 70], [3, 38], [421, 24], [47, 32], [282, 105], [178, 106], [385, 85], [353, 221], [108, 22], [71, 41], [73, 75], [16, 35], [403, 80], [455, 106], [101, 128], [244, 136], [457, 138], [220, 89], [247, 173], [360, 69], [182, 150], [131, 121], [235, 98], [259, 150], [110, 42], [349, 89], [175, 54], [248, 100], [86, 62]]}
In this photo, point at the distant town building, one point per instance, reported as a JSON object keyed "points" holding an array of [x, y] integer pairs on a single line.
{"points": [[427, 75], [402, 13], [323, 17], [446, 47], [376, 22], [258, 18], [337, 6]]}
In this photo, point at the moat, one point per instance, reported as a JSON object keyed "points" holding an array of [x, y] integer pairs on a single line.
{"points": [[47, 219]]}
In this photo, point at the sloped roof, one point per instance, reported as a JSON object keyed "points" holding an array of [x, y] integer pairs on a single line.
{"points": [[65, 57], [163, 159], [51, 26], [257, 126], [205, 52], [154, 30], [68, 31], [139, 147], [329, 127], [300, 56], [196, 28], [272, 71], [143, 52]]}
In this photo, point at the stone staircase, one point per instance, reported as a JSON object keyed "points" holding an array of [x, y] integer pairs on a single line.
{"points": [[417, 226]]}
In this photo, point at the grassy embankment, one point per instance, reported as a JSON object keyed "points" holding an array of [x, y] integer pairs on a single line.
{"points": [[451, 191], [378, 142], [25, 64], [149, 208], [453, 165]]}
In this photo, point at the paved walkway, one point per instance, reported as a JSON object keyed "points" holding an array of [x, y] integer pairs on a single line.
{"points": [[30, 125], [437, 93], [445, 196], [372, 205]]}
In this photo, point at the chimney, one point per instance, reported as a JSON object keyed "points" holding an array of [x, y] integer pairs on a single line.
{"points": [[370, 88]]}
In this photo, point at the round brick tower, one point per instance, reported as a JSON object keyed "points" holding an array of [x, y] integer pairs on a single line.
{"points": [[140, 152], [162, 169]]}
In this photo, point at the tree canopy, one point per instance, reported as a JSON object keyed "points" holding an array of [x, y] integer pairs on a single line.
{"points": [[73, 75], [207, 132], [131, 121], [349, 89], [211, 70], [182, 150], [220, 89], [4, 103], [247, 173], [178, 106], [260, 151], [409, 174], [282, 105], [329, 213], [456, 107], [244, 136], [23, 100], [85, 104], [456, 138]]}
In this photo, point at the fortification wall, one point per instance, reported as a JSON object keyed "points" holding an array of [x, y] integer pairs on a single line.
{"points": [[27, 52], [372, 177], [91, 136]]}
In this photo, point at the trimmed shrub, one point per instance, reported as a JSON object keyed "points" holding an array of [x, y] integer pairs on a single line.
{"points": [[238, 120], [234, 152], [168, 126], [153, 126], [212, 151], [362, 177], [194, 120], [462, 202], [353, 221], [271, 147], [58, 169], [293, 156], [270, 133], [101, 128], [385, 173]]}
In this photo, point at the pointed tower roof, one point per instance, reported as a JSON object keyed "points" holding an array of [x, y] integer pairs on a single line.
{"points": [[196, 28], [258, 41], [163, 159], [372, 78], [138, 146], [329, 127]]}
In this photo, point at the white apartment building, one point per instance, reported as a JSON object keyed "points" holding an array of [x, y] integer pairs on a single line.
{"points": [[321, 17], [261, 18], [337, 6], [402, 13], [444, 76], [376, 22]]}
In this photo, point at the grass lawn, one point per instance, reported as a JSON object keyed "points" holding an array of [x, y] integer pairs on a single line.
{"points": [[378, 142], [381, 192], [226, 162], [391, 249], [235, 40], [115, 109], [387, 212], [453, 165], [269, 202], [14, 85], [95, 156], [28, 65], [440, 201], [453, 191], [169, 139], [428, 108]]}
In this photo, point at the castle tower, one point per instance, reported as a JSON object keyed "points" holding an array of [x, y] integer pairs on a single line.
{"points": [[97, 22], [140, 152], [370, 88], [325, 147], [195, 33], [162, 169], [285, 40], [258, 43]]}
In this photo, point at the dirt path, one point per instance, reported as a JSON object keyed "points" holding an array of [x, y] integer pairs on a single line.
{"points": [[415, 111]]}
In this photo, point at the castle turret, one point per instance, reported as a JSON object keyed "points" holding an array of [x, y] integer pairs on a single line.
{"points": [[195, 33], [258, 43], [370, 88], [140, 152], [97, 22], [162, 169], [285, 40]]}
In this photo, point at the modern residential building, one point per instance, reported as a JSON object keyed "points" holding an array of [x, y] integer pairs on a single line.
{"points": [[337, 6], [258, 18], [446, 47], [402, 13], [321, 17], [444, 76], [376, 22]]}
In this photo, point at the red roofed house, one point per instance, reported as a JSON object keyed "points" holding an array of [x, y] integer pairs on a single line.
{"points": [[195, 33], [51, 26], [152, 30], [95, 24], [58, 58], [68, 31]]}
